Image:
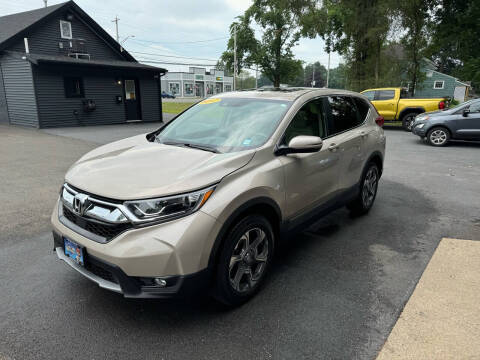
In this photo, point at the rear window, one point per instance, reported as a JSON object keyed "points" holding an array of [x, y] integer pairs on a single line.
{"points": [[385, 94], [363, 107]]}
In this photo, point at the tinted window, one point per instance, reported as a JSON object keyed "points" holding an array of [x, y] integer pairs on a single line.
{"points": [[370, 95], [363, 107], [343, 114], [386, 94], [309, 120]]}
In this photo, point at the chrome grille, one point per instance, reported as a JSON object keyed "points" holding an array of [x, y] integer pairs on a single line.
{"points": [[94, 218]]}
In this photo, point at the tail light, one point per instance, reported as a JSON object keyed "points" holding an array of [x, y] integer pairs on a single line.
{"points": [[380, 121], [441, 105]]}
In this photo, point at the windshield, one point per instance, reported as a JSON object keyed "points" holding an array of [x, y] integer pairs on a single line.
{"points": [[225, 124]]}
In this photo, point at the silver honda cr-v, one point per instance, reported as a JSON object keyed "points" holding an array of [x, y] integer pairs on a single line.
{"points": [[202, 203]]}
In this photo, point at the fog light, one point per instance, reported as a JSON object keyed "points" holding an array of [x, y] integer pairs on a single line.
{"points": [[160, 282]]}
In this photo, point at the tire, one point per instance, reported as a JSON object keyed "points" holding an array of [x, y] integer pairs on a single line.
{"points": [[242, 265], [438, 136], [407, 120], [368, 191]]}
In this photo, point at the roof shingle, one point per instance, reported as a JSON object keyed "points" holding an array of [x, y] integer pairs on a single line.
{"points": [[10, 25]]}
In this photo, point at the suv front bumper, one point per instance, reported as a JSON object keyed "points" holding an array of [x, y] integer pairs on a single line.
{"points": [[111, 277], [176, 251], [419, 131]]}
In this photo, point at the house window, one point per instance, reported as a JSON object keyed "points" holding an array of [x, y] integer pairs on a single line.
{"points": [[73, 87], [65, 29], [439, 84]]}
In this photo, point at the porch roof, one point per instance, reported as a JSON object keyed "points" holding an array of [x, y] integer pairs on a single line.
{"points": [[38, 59]]}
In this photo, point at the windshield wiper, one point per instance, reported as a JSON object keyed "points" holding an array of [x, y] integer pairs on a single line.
{"points": [[193, 146]]}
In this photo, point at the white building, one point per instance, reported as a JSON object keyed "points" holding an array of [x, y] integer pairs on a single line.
{"points": [[198, 82]]}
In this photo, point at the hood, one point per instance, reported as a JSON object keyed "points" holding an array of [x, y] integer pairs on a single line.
{"points": [[135, 168]]}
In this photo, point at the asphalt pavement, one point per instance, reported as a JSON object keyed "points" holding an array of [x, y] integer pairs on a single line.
{"points": [[335, 291]]}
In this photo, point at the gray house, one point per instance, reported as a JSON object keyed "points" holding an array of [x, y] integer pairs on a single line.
{"points": [[58, 67]]}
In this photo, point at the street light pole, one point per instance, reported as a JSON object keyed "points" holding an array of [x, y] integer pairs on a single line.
{"points": [[313, 75], [328, 67], [234, 57], [123, 41]]}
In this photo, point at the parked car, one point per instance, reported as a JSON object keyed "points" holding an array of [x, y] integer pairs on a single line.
{"points": [[394, 105], [202, 203], [461, 122], [168, 95]]}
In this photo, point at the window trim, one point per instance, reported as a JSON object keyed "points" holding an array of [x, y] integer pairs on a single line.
{"points": [[63, 36], [437, 88], [82, 87]]}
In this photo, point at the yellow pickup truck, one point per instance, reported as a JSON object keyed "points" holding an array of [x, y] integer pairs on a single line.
{"points": [[394, 105]]}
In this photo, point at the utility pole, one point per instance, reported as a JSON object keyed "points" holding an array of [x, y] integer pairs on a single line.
{"points": [[116, 27], [234, 57], [256, 76], [313, 75], [45, 1], [328, 68]]}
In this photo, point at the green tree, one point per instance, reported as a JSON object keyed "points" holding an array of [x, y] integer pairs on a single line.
{"points": [[320, 75], [338, 77], [455, 33], [357, 29], [272, 52], [245, 81], [414, 18]]}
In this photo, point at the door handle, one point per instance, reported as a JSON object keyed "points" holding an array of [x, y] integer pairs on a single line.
{"points": [[333, 147]]}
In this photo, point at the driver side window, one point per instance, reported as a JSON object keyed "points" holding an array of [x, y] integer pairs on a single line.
{"points": [[309, 120]]}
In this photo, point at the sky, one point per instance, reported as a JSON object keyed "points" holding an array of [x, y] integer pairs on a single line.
{"points": [[173, 31]]}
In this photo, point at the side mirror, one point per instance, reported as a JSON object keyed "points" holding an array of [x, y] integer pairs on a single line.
{"points": [[465, 112], [301, 144]]}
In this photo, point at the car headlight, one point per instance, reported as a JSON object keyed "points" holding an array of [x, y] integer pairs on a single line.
{"points": [[421, 117], [167, 208], [419, 126]]}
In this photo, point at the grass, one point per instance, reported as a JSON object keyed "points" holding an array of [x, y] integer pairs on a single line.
{"points": [[175, 107]]}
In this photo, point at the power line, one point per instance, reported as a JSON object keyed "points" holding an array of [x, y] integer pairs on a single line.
{"points": [[145, 60], [172, 56], [172, 63], [182, 42]]}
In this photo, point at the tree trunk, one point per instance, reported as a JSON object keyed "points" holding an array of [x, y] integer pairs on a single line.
{"points": [[276, 81]]}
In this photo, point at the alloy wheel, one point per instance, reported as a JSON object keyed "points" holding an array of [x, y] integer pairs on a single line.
{"points": [[370, 185], [248, 260], [438, 137]]}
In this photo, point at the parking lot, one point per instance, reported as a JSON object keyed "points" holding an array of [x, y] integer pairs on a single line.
{"points": [[335, 291]]}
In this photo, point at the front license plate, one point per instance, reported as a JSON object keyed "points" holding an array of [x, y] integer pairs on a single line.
{"points": [[73, 251]]}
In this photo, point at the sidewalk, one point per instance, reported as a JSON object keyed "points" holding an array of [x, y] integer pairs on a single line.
{"points": [[442, 318]]}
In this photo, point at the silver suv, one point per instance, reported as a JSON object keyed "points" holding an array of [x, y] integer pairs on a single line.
{"points": [[202, 203]]}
